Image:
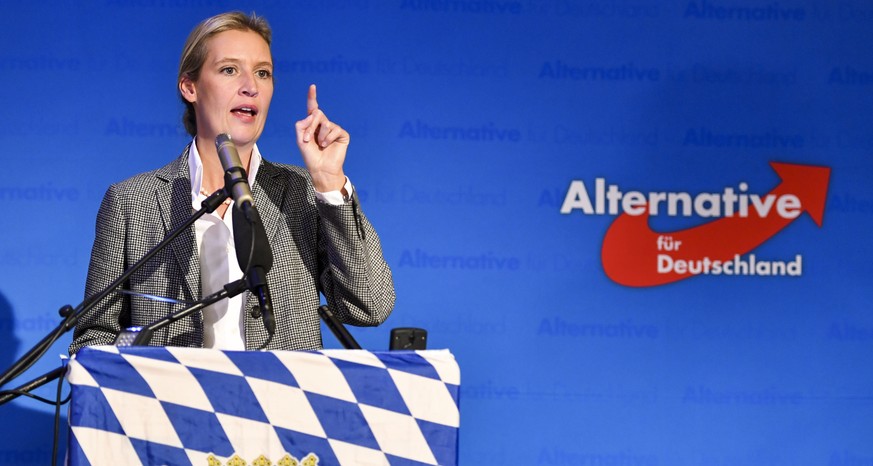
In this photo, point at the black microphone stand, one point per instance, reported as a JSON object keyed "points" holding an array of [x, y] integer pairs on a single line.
{"points": [[71, 315], [144, 336], [54, 374], [337, 328]]}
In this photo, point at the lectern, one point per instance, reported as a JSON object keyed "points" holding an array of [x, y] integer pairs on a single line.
{"points": [[180, 406]]}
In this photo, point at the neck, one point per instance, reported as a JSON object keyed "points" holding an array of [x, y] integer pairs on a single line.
{"points": [[213, 172]]}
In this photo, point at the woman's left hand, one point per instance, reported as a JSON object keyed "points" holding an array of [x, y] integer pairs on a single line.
{"points": [[323, 145]]}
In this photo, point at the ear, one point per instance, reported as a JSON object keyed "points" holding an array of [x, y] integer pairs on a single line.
{"points": [[188, 89]]}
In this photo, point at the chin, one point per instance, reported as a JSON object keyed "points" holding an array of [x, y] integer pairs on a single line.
{"points": [[245, 137]]}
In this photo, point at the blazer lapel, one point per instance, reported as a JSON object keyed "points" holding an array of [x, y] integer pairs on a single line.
{"points": [[174, 202], [269, 194]]}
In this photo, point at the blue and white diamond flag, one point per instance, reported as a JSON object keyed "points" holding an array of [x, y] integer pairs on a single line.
{"points": [[180, 406]]}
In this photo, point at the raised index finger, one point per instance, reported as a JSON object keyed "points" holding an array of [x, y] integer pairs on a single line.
{"points": [[311, 101]]}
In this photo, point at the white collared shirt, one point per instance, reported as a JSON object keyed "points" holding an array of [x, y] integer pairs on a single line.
{"points": [[223, 321]]}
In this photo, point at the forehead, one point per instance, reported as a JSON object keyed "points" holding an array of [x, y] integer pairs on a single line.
{"points": [[239, 46]]}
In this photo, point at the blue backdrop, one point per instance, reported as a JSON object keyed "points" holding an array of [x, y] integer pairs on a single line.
{"points": [[474, 122]]}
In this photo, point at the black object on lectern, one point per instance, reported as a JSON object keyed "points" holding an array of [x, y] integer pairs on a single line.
{"points": [[408, 338]]}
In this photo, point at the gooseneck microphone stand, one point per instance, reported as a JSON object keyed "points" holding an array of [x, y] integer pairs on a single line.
{"points": [[337, 328], [71, 315], [144, 336]]}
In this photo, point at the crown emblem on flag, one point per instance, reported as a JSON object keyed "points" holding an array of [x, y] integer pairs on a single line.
{"points": [[309, 460]]}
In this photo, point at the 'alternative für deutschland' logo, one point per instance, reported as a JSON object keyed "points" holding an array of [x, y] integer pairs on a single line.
{"points": [[635, 255]]}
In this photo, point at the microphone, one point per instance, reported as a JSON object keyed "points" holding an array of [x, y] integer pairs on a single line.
{"points": [[253, 252], [250, 241], [236, 181]]}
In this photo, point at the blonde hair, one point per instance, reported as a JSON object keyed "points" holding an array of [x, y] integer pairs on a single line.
{"points": [[195, 50]]}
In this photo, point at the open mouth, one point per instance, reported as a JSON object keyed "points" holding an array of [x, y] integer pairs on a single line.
{"points": [[245, 111]]}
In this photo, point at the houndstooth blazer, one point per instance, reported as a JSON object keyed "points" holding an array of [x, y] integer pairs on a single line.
{"points": [[317, 248]]}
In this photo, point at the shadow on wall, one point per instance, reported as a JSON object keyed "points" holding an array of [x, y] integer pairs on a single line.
{"points": [[26, 433]]}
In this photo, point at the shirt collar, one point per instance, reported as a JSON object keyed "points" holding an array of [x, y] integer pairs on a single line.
{"points": [[195, 169]]}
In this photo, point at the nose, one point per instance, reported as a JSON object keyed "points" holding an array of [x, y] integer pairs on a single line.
{"points": [[249, 86]]}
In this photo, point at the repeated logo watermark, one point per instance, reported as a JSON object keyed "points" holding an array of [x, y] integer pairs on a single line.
{"points": [[43, 192], [307, 5], [486, 132], [729, 11], [566, 455], [37, 324], [625, 329], [850, 203], [850, 332], [128, 127], [419, 258], [768, 396]]}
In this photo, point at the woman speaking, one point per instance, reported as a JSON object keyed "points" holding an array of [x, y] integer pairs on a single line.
{"points": [[321, 242]]}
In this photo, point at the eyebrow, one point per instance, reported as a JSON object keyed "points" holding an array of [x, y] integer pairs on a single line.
{"points": [[238, 61]]}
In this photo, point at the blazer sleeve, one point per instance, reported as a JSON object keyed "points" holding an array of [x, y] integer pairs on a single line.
{"points": [[104, 321], [355, 278]]}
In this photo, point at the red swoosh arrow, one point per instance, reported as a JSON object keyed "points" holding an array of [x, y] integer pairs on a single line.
{"points": [[630, 248]]}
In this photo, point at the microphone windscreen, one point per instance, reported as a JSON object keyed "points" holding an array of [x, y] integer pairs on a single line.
{"points": [[244, 234]]}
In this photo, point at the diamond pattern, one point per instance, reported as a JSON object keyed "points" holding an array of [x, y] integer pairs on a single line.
{"points": [[139, 405]]}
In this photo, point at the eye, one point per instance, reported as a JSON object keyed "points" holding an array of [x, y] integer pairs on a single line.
{"points": [[228, 70], [264, 74]]}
